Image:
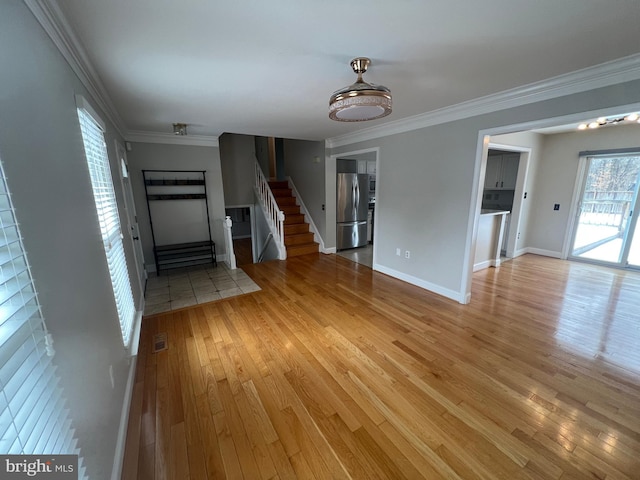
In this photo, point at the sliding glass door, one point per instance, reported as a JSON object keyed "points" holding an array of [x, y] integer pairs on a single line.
{"points": [[607, 216]]}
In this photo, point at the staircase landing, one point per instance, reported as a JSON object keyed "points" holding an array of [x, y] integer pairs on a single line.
{"points": [[298, 240]]}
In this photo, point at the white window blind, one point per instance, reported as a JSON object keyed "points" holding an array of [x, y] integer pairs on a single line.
{"points": [[33, 417], [105, 198]]}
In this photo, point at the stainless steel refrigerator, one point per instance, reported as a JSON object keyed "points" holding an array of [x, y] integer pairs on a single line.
{"points": [[352, 204]]}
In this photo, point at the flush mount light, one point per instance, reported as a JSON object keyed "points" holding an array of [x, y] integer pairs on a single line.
{"points": [[604, 121], [360, 101], [179, 128]]}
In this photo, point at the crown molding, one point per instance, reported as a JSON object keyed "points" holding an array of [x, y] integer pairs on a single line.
{"points": [[55, 24], [603, 75], [170, 138]]}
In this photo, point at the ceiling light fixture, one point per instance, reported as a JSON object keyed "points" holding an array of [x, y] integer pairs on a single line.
{"points": [[360, 101], [179, 128], [602, 121]]}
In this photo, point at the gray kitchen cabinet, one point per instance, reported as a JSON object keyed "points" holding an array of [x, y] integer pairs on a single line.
{"points": [[502, 171]]}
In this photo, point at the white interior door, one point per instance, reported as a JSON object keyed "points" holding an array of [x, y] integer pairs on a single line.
{"points": [[132, 218]]}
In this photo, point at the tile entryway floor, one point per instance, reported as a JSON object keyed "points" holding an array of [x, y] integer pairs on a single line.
{"points": [[185, 287]]}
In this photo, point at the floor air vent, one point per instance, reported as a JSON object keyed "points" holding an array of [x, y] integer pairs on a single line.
{"points": [[159, 342]]}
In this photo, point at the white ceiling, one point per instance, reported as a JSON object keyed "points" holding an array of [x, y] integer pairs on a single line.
{"points": [[268, 68]]}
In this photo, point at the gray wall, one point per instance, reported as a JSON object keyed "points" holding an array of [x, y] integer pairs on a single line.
{"points": [[427, 188], [155, 156], [304, 162], [237, 158], [262, 153], [42, 151]]}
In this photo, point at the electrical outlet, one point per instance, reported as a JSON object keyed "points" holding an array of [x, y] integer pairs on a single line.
{"points": [[398, 252], [556, 206], [407, 254]]}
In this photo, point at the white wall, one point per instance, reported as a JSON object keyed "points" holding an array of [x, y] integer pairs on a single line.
{"points": [[304, 162], [427, 188], [557, 174], [156, 156], [237, 159], [42, 151]]}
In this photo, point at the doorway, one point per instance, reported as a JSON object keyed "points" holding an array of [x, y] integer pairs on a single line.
{"points": [[132, 217], [363, 166], [241, 233], [606, 213]]}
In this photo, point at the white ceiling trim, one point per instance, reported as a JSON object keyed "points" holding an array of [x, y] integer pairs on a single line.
{"points": [[55, 24], [603, 75], [53, 21], [170, 138]]}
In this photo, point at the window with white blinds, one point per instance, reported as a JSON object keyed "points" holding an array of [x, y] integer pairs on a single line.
{"points": [[33, 417], [107, 208]]}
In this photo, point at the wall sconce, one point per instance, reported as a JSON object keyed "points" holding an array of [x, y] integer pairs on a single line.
{"points": [[179, 128]]}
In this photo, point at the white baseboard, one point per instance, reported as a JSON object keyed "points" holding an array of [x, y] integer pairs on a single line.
{"points": [[328, 250], [520, 252], [432, 287], [544, 253], [118, 458], [486, 264]]}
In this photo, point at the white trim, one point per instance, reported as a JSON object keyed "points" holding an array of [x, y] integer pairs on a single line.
{"points": [[118, 457], [55, 24], [486, 264], [307, 216], [432, 287], [170, 138], [520, 252], [569, 234], [329, 250], [605, 74], [83, 104], [135, 331], [473, 220], [543, 252]]}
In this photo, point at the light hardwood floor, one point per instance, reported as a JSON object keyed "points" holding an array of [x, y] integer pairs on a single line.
{"points": [[334, 371]]}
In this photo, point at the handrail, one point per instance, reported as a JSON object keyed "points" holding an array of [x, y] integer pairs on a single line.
{"points": [[228, 240], [275, 216], [264, 247]]}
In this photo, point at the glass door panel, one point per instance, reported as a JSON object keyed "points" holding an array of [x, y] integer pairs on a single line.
{"points": [[634, 252], [605, 225]]}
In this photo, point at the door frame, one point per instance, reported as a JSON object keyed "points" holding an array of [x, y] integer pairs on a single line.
{"points": [[574, 214], [518, 195], [331, 171], [482, 147], [132, 217], [252, 221]]}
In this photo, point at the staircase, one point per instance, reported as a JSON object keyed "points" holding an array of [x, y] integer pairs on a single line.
{"points": [[298, 240]]}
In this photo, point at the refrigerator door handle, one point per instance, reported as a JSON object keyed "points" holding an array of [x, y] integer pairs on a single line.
{"points": [[356, 203]]}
